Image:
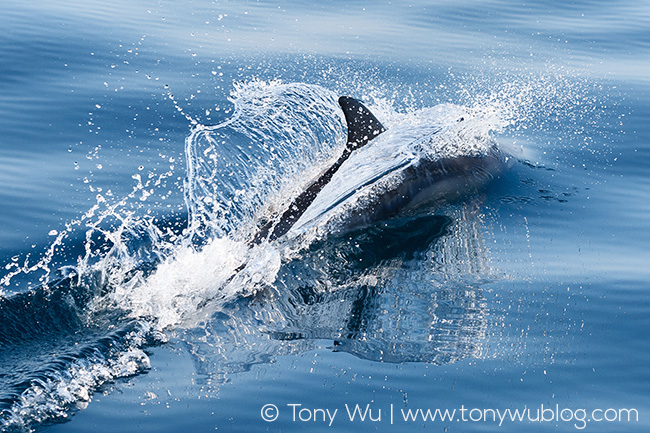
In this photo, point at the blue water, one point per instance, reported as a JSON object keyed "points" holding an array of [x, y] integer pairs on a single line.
{"points": [[117, 314]]}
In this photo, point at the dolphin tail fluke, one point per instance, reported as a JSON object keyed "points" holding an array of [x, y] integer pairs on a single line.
{"points": [[363, 126]]}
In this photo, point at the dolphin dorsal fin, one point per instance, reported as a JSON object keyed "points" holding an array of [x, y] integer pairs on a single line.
{"points": [[363, 126]]}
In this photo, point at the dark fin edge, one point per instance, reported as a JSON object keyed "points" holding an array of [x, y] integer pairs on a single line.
{"points": [[363, 126]]}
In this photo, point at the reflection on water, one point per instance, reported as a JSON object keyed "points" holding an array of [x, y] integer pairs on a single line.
{"points": [[86, 121], [403, 290], [382, 294]]}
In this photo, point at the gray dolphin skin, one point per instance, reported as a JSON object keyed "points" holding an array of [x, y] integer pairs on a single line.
{"points": [[428, 186], [420, 186]]}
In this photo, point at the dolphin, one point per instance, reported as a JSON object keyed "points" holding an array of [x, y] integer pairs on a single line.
{"points": [[401, 172]]}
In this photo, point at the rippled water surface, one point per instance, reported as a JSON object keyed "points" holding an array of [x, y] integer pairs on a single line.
{"points": [[144, 144]]}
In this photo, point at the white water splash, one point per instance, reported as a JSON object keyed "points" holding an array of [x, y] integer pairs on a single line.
{"points": [[249, 168], [239, 173]]}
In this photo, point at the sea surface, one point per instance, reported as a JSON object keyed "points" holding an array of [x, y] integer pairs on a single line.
{"points": [[143, 143]]}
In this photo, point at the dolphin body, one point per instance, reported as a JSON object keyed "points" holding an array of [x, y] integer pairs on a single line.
{"points": [[401, 172]]}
